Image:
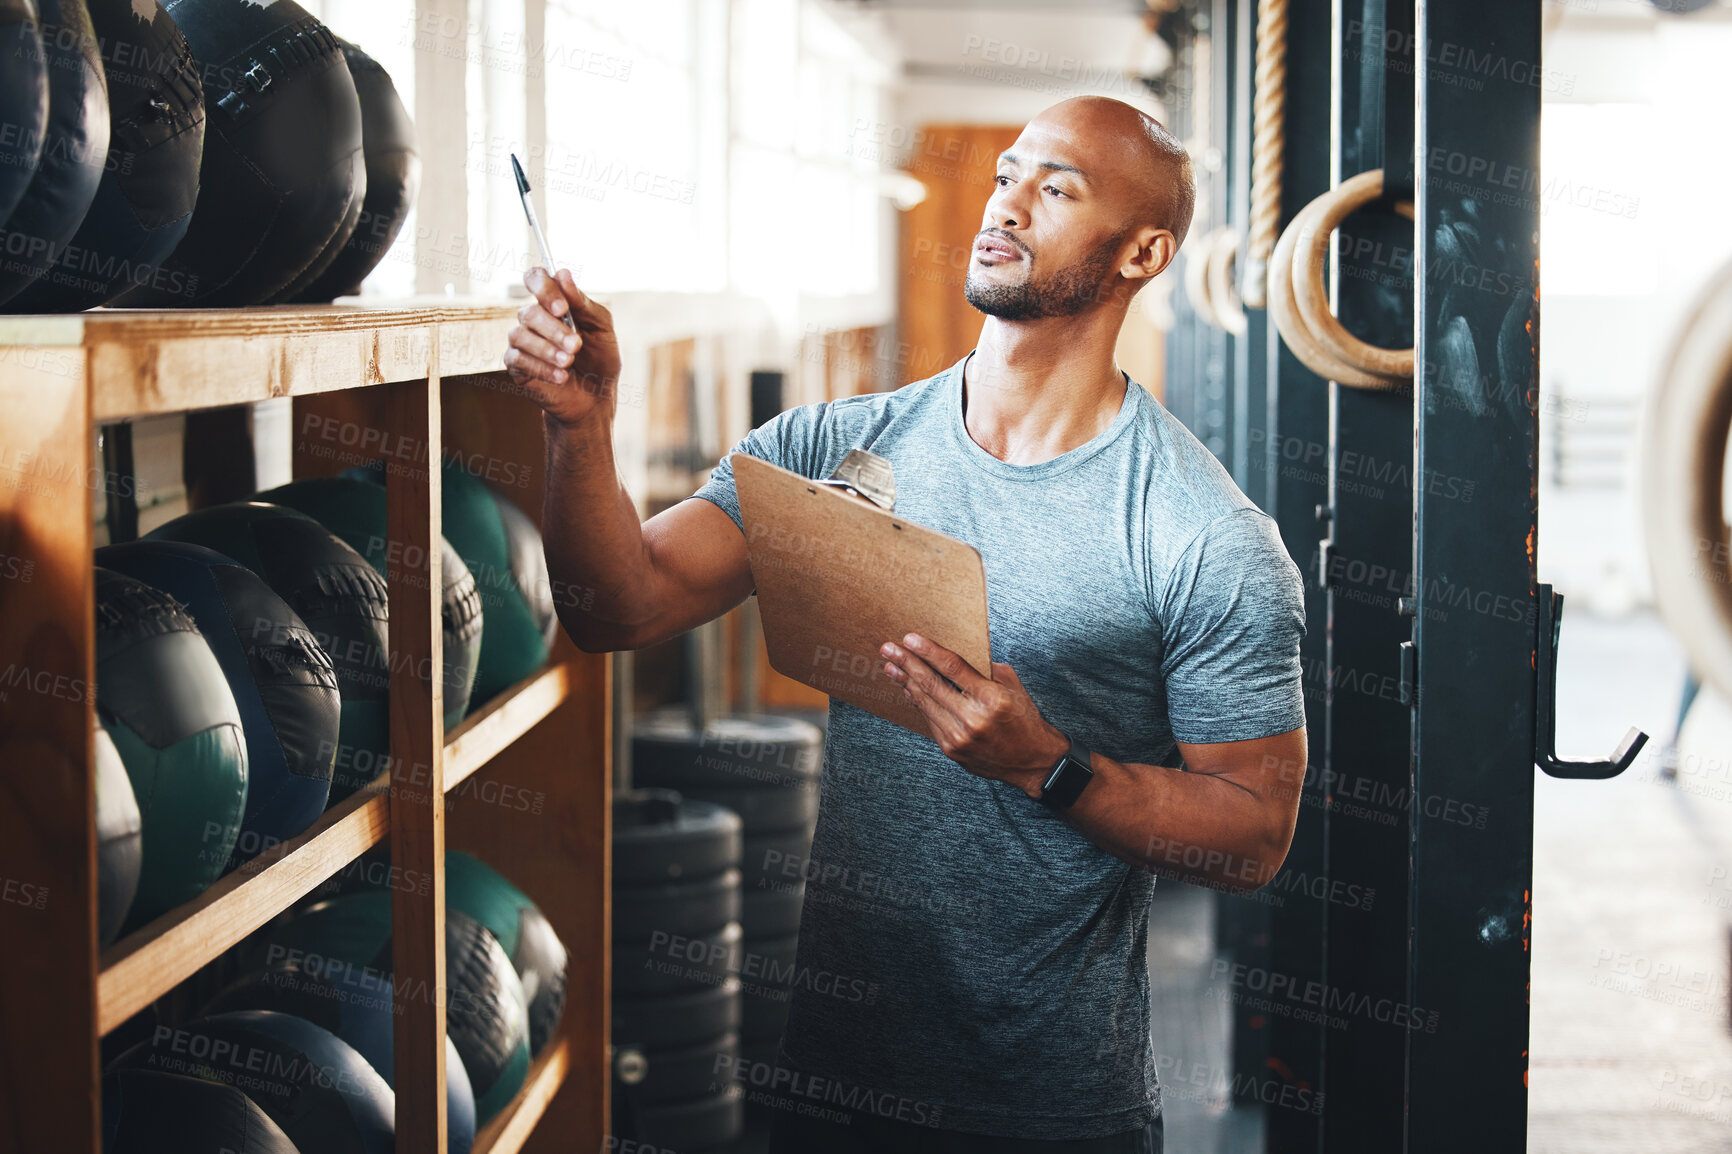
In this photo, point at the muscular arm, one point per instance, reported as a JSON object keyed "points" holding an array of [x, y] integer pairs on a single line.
{"points": [[653, 580], [1225, 820]]}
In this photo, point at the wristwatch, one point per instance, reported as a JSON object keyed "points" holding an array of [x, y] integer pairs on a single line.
{"points": [[1069, 777]]}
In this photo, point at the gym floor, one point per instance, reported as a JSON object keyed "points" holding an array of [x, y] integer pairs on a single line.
{"points": [[1630, 1048]]}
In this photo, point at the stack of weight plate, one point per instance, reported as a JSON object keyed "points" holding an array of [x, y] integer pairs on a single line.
{"points": [[676, 956], [766, 770]]}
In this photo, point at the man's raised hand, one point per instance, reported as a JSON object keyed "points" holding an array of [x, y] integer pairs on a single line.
{"points": [[571, 375]]}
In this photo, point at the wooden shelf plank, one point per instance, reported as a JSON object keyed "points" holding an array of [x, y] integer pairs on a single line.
{"points": [[417, 740], [153, 960], [146, 964], [144, 361], [480, 738], [507, 1133]]}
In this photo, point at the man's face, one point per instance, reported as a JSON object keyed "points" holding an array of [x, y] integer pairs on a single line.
{"points": [[1054, 230]]}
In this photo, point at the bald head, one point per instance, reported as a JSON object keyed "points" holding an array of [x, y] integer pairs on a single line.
{"points": [[1088, 205], [1132, 150]]}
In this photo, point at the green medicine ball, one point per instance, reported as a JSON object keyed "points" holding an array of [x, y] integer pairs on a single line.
{"points": [[164, 701], [502, 548], [485, 1015], [477, 889]]}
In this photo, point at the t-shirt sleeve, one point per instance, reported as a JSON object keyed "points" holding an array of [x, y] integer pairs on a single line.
{"points": [[789, 439], [1233, 616]]}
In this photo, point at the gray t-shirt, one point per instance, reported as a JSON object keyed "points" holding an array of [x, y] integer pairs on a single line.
{"points": [[967, 959]]}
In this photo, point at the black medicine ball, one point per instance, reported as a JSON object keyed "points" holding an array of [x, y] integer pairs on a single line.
{"points": [[156, 137], [393, 178], [23, 100], [339, 596], [74, 149], [355, 1004], [311, 1083], [355, 511], [281, 680], [146, 1112], [283, 172]]}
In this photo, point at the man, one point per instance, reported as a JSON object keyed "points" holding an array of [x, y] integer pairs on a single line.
{"points": [[1142, 611]]}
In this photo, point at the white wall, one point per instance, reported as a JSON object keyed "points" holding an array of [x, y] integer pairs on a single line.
{"points": [[1632, 172]]}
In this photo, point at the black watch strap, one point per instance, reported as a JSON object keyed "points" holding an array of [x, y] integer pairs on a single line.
{"points": [[1068, 778]]}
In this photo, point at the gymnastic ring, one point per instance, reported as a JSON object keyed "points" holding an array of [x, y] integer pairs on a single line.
{"points": [[1197, 279], [1683, 467], [1284, 312], [1310, 259], [1223, 291]]}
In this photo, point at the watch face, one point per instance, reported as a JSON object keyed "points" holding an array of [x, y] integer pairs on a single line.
{"points": [[1066, 783]]}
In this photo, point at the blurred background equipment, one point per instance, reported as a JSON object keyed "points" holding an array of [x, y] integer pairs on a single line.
{"points": [[677, 950], [765, 769]]}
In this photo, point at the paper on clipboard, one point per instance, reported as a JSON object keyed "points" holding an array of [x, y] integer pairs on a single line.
{"points": [[837, 576]]}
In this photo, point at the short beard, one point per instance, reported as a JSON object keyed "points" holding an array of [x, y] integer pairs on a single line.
{"points": [[1071, 291]]}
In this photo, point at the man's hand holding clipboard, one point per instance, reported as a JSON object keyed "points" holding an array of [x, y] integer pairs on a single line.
{"points": [[838, 576]]}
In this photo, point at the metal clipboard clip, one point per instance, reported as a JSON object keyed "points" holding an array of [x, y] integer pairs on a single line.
{"points": [[866, 475]]}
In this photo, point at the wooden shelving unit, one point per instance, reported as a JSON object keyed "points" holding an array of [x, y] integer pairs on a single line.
{"points": [[409, 382]]}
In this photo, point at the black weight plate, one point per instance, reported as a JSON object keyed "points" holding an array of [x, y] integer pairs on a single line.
{"points": [[696, 1123], [736, 751], [657, 837], [690, 1071], [779, 857], [693, 907], [766, 972], [771, 912], [671, 1020], [762, 810], [671, 962]]}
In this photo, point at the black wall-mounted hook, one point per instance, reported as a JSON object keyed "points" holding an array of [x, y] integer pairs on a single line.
{"points": [[1547, 627]]}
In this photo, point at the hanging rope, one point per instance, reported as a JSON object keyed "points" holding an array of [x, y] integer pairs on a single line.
{"points": [[1268, 142]]}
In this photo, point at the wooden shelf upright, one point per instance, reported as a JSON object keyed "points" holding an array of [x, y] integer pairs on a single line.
{"points": [[524, 783]]}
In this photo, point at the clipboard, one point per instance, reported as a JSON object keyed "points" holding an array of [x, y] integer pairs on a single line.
{"points": [[837, 576]]}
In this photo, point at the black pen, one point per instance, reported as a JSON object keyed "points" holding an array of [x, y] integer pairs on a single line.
{"points": [[535, 227]]}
